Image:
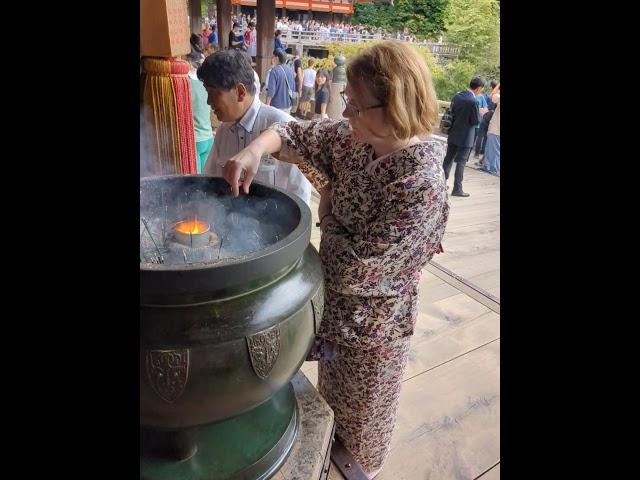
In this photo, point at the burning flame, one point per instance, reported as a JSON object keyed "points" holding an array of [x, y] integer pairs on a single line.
{"points": [[192, 227]]}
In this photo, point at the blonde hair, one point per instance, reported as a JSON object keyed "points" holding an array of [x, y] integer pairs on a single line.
{"points": [[398, 76]]}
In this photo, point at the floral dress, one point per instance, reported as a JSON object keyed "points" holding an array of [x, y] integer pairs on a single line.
{"points": [[391, 215]]}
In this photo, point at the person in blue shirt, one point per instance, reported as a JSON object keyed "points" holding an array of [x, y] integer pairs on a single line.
{"points": [[277, 42], [281, 81], [236, 38], [213, 37], [490, 105], [481, 130], [482, 107]]}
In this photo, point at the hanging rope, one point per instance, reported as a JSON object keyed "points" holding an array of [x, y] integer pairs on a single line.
{"points": [[182, 92], [168, 116]]}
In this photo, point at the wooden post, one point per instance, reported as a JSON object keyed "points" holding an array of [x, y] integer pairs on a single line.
{"points": [[196, 16], [266, 11], [224, 22]]}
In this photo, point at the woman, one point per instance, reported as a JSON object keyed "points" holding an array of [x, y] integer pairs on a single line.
{"points": [[308, 87], [383, 212], [206, 33], [323, 93], [203, 132], [492, 152], [197, 51], [277, 41], [250, 41], [236, 38]]}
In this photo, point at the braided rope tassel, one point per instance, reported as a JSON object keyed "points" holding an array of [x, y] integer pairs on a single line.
{"points": [[182, 93]]}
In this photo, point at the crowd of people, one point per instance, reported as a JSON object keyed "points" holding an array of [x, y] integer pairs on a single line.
{"points": [[313, 29]]}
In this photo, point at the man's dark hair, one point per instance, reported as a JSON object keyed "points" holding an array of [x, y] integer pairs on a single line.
{"points": [[227, 68], [493, 84], [196, 42], [476, 82], [282, 56], [235, 25], [252, 25], [276, 33]]}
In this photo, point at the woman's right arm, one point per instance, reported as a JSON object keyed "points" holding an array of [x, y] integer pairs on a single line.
{"points": [[247, 161], [309, 147]]}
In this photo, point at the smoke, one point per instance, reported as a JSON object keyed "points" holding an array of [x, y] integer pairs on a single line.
{"points": [[148, 161], [243, 225]]}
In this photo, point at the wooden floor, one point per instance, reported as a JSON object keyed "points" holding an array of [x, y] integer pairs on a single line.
{"points": [[449, 416]]}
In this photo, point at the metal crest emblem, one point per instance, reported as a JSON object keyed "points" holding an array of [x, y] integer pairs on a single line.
{"points": [[168, 372], [264, 348]]}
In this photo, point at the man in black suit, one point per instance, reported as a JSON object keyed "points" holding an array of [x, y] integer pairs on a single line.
{"points": [[465, 116]]}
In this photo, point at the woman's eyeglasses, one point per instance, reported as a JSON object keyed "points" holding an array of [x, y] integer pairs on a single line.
{"points": [[355, 109]]}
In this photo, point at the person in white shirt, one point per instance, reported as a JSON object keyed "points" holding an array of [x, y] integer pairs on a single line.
{"points": [[308, 87], [228, 77]]}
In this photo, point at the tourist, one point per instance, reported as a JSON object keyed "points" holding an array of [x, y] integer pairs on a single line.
{"points": [[492, 154], [281, 83], [322, 93], [308, 86], [201, 115], [383, 211], [230, 83], [465, 115]]}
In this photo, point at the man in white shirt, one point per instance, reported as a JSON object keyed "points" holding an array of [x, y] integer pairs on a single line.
{"points": [[229, 80]]}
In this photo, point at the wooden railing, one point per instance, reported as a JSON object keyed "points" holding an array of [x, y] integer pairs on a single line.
{"points": [[308, 37]]}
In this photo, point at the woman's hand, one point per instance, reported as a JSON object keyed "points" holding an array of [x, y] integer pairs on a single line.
{"points": [[241, 169], [247, 161]]}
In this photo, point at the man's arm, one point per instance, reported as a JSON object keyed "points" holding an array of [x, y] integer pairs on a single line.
{"points": [[474, 114], [494, 91]]}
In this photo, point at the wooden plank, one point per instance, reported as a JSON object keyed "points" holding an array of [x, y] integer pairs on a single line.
{"points": [[492, 474], [465, 286], [431, 351], [488, 280], [470, 265], [449, 420], [435, 292]]}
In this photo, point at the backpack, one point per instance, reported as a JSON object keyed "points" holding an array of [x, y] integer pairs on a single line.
{"points": [[293, 94], [446, 121]]}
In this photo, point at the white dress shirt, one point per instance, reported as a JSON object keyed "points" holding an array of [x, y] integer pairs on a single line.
{"points": [[231, 137]]}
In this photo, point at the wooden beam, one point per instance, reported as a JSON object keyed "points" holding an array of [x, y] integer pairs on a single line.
{"points": [[224, 22], [266, 12], [195, 15]]}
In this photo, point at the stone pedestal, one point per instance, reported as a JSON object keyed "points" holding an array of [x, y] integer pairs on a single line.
{"points": [[309, 457], [339, 81]]}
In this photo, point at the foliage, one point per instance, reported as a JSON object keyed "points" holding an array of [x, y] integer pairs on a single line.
{"points": [[447, 80], [423, 18], [474, 26]]}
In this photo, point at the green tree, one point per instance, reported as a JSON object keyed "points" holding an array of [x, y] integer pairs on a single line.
{"points": [[474, 26], [421, 17]]}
